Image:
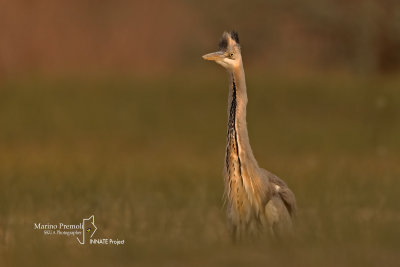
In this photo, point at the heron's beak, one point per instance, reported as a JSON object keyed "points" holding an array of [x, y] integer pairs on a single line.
{"points": [[216, 56]]}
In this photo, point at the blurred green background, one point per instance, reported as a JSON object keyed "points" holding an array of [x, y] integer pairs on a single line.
{"points": [[107, 108]]}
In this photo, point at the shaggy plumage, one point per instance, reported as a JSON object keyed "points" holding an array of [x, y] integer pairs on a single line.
{"points": [[257, 201]]}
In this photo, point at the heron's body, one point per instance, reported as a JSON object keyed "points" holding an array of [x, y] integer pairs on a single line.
{"points": [[257, 200]]}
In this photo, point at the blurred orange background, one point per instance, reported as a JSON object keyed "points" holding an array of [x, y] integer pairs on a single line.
{"points": [[150, 37]]}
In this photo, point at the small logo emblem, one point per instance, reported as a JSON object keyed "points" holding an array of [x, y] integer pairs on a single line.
{"points": [[87, 224]]}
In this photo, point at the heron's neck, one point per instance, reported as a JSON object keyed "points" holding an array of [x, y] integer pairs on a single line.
{"points": [[237, 102]]}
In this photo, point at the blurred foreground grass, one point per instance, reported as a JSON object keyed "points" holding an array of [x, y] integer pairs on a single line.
{"points": [[145, 157]]}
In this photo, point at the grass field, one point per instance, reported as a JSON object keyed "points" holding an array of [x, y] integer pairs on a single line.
{"points": [[146, 157]]}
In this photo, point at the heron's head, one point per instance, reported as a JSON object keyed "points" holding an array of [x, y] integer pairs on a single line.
{"points": [[228, 55]]}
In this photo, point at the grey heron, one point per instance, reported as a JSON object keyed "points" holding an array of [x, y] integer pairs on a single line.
{"points": [[257, 201]]}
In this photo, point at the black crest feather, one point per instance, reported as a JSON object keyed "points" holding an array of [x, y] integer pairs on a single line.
{"points": [[235, 36], [223, 43]]}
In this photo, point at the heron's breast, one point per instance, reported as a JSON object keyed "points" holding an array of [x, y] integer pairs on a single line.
{"points": [[238, 200]]}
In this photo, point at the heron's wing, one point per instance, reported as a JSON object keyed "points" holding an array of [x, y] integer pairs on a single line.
{"points": [[289, 199], [284, 192]]}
